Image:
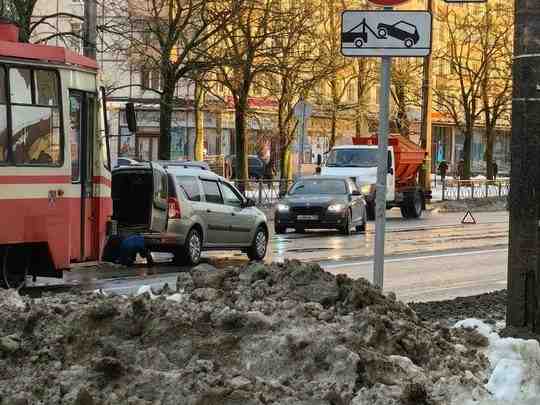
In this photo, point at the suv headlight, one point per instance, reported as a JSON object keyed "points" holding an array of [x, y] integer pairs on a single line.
{"points": [[282, 208], [336, 208]]}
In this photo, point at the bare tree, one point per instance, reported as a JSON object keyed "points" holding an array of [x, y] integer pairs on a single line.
{"points": [[366, 77], [172, 37], [466, 56], [245, 50], [405, 91], [294, 68], [496, 85]]}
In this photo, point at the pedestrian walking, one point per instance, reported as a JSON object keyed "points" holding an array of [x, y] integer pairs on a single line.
{"points": [[443, 169]]}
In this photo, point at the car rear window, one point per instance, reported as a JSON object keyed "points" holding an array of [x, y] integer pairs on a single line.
{"points": [[211, 191], [190, 187]]}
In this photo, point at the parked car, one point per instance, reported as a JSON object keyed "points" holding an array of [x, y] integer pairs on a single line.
{"points": [[186, 211], [322, 202], [186, 164], [256, 167]]}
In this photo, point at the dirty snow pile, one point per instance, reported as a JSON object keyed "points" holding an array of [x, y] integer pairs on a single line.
{"points": [[287, 334]]}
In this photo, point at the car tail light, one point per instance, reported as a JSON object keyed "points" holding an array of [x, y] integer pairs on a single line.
{"points": [[174, 209]]}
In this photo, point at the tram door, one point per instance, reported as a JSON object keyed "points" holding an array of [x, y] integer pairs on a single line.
{"points": [[82, 132]]}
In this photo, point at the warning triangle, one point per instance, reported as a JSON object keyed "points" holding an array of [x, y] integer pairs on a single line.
{"points": [[468, 218]]}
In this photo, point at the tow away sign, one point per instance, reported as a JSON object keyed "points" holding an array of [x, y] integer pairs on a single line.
{"points": [[386, 33]]}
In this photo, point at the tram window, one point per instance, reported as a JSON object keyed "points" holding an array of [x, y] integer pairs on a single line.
{"points": [[36, 135], [20, 85], [3, 117], [46, 87]]}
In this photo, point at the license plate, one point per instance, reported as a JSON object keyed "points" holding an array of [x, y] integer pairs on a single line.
{"points": [[307, 217]]}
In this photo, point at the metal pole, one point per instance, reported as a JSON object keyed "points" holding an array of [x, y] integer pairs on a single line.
{"points": [[425, 132], [382, 171]]}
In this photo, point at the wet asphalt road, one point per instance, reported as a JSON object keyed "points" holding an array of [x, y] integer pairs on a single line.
{"points": [[433, 258]]}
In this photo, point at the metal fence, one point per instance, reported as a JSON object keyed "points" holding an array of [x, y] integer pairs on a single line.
{"points": [[474, 189], [266, 193]]}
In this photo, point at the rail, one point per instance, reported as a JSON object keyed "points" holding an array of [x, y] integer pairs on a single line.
{"points": [[473, 189], [266, 193]]}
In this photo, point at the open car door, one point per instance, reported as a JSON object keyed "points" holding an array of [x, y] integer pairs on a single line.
{"points": [[160, 195]]}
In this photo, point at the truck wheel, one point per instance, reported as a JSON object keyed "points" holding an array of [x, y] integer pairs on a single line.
{"points": [[358, 43], [370, 211], [412, 206], [14, 264]]}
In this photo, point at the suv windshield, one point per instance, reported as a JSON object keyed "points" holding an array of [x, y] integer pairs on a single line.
{"points": [[319, 186], [352, 158]]}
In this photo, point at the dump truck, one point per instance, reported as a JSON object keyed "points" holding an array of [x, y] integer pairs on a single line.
{"points": [[359, 161]]}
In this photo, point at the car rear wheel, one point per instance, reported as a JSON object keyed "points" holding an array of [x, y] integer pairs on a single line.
{"points": [[408, 42], [257, 250], [193, 248]]}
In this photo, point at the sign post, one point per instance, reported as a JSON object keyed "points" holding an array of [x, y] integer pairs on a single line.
{"points": [[302, 112], [384, 33]]}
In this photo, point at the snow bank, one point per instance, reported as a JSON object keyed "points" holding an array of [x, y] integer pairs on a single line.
{"points": [[515, 368]]}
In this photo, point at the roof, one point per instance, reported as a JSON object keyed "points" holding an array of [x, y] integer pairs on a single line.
{"points": [[45, 53], [183, 163], [326, 177], [356, 147]]}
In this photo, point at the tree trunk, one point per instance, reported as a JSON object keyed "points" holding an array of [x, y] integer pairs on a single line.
{"points": [[361, 124], [241, 164], [165, 116], [524, 199], [333, 131], [199, 122], [467, 152]]}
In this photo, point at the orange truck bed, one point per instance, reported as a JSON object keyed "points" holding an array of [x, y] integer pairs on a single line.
{"points": [[409, 156]]}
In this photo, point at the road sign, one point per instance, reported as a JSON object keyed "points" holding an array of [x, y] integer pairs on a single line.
{"points": [[303, 109], [386, 33], [388, 2]]}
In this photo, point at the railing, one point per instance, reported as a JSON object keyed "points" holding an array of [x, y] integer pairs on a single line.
{"points": [[266, 193], [474, 189]]}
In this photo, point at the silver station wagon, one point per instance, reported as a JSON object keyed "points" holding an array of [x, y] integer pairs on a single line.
{"points": [[185, 211]]}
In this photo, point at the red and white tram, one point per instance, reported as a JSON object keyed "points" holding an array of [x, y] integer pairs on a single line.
{"points": [[54, 168]]}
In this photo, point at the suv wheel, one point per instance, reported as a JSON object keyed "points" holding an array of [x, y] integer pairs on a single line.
{"points": [[257, 250], [193, 247]]}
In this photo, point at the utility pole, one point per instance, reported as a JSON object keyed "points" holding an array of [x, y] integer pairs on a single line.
{"points": [[90, 29], [523, 257], [425, 131]]}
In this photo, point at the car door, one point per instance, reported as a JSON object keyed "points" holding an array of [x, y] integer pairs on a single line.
{"points": [[215, 213], [241, 219], [160, 197]]}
